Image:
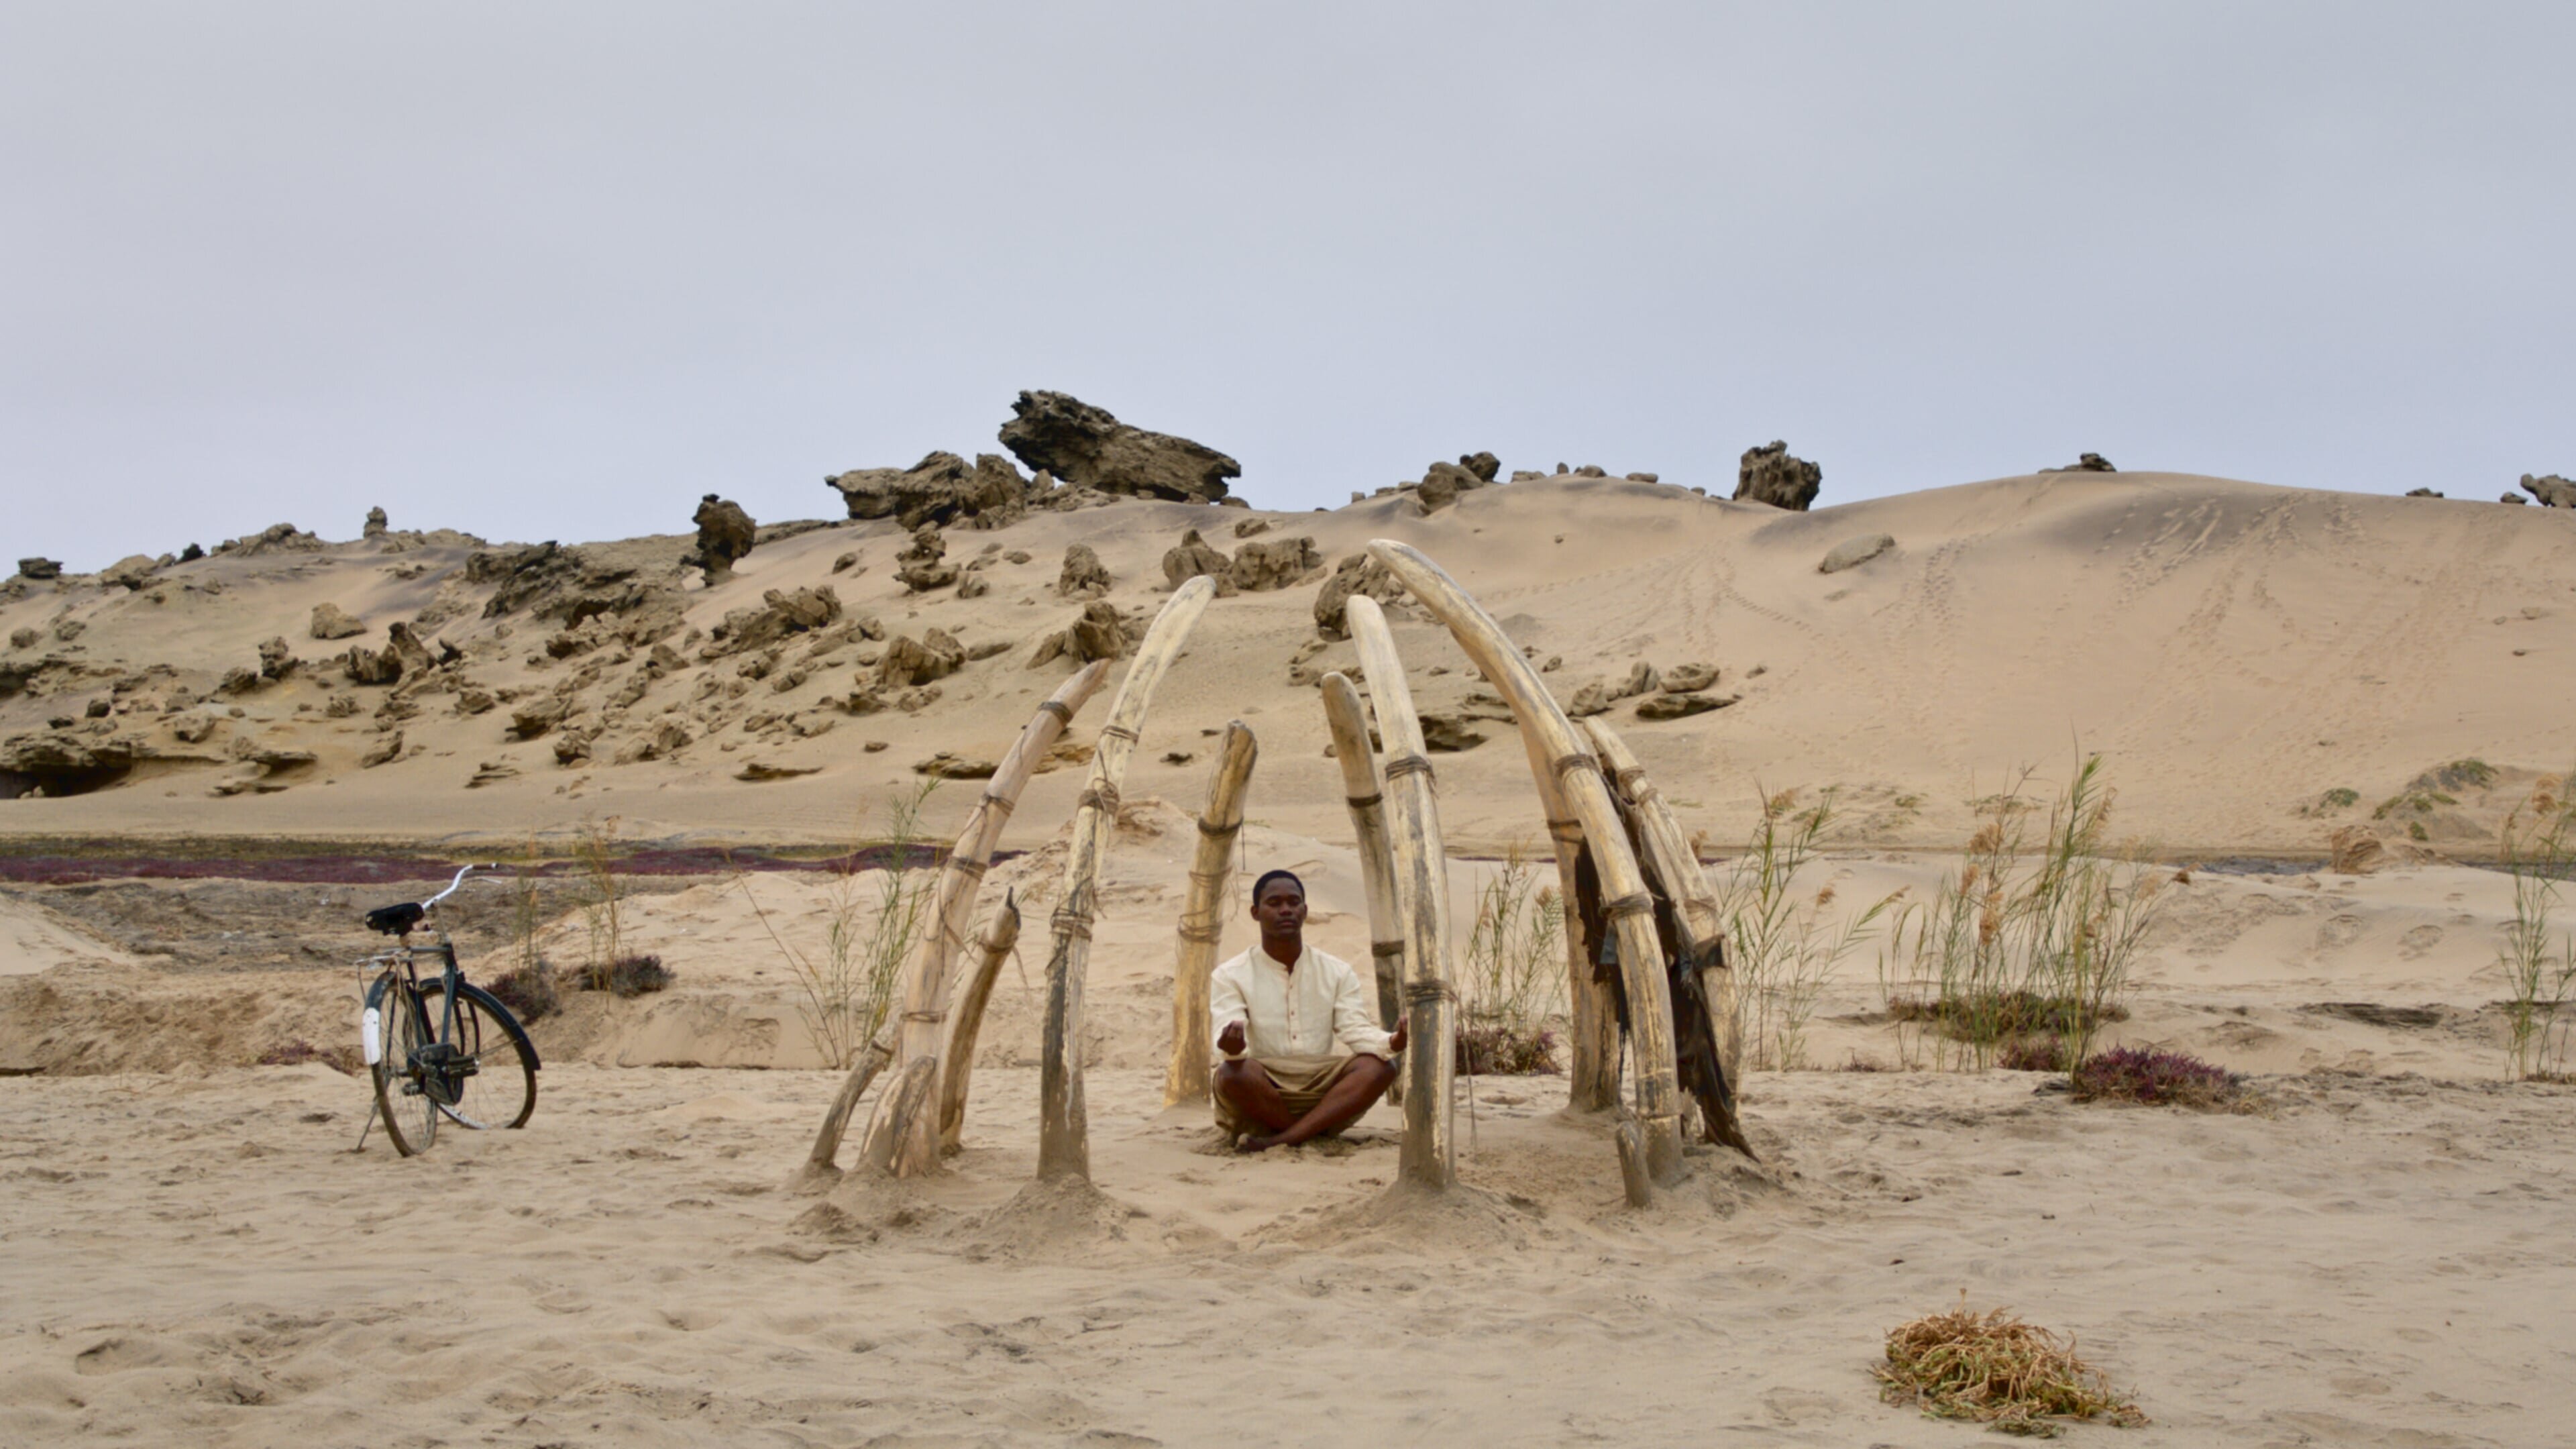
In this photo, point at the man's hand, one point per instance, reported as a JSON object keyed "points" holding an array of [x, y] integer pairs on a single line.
{"points": [[1395, 1039], [1230, 1040]]}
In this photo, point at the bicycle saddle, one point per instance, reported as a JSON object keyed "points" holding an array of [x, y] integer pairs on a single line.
{"points": [[396, 920]]}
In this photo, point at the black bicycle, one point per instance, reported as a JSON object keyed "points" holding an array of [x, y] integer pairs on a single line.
{"points": [[439, 1046]]}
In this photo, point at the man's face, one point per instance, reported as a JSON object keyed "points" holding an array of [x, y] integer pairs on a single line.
{"points": [[1281, 909]]}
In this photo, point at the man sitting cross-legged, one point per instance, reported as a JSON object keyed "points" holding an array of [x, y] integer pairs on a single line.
{"points": [[1303, 1053]]}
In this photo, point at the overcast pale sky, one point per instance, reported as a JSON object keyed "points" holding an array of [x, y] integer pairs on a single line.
{"points": [[553, 270]]}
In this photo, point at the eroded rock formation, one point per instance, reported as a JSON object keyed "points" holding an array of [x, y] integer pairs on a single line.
{"points": [[942, 488], [1087, 447], [2552, 491], [1768, 474], [725, 534]]}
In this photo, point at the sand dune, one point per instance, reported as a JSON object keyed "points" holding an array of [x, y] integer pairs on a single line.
{"points": [[2235, 650]]}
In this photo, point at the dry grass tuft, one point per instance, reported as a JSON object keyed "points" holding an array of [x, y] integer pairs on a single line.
{"points": [[2033, 1054], [2157, 1078], [1998, 1017], [1504, 1049], [627, 976], [342, 1059], [529, 991], [1995, 1369]]}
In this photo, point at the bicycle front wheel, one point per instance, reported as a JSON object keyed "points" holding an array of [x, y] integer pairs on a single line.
{"points": [[487, 1077], [402, 1092]]}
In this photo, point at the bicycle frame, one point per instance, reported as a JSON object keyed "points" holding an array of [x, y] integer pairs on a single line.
{"points": [[398, 970]]}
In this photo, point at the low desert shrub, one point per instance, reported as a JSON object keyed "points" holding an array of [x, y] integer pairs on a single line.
{"points": [[529, 991], [2033, 1054], [342, 1059], [2154, 1077], [1995, 1018], [1994, 1369], [1496, 1049], [627, 977]]}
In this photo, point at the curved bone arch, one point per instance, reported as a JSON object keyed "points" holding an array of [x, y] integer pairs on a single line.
{"points": [[1559, 758], [1395, 815]]}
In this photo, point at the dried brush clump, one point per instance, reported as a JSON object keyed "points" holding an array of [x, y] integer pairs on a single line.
{"points": [[529, 991], [627, 976], [342, 1059], [1995, 1369], [2157, 1078], [2033, 1054], [1500, 1049]]}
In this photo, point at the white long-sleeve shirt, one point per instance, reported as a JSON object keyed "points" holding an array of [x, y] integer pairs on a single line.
{"points": [[1317, 1010]]}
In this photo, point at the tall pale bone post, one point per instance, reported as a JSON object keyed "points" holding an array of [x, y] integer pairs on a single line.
{"points": [[1422, 906], [1578, 772], [1366, 795], [1672, 861], [966, 1019], [906, 1140], [1064, 1146], [1203, 918], [1592, 1074]]}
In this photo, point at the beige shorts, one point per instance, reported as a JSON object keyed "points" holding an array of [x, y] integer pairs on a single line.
{"points": [[1302, 1082]]}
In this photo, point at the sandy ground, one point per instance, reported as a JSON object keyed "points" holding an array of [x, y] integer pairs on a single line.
{"points": [[200, 1258], [191, 1253]]}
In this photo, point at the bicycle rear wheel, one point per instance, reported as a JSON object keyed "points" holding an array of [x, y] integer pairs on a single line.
{"points": [[402, 1098], [489, 1077]]}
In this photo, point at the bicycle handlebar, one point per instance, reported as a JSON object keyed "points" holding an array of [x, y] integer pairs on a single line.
{"points": [[397, 920], [454, 885]]}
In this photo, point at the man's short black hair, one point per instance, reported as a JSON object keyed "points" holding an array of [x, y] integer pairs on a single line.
{"points": [[1268, 876]]}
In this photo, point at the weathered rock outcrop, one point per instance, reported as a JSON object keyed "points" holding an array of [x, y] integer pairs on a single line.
{"points": [[1681, 706], [1098, 634], [1084, 575], [275, 537], [725, 534], [1851, 553], [1689, 678], [276, 661], [330, 621], [1355, 574], [1449, 734], [2552, 491], [1768, 474], [1485, 466], [1443, 482], [908, 661], [2424, 493], [1274, 563], [919, 567], [40, 568], [131, 572], [1194, 556], [2088, 463], [375, 525], [941, 488], [638, 582], [780, 614], [1088, 448]]}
